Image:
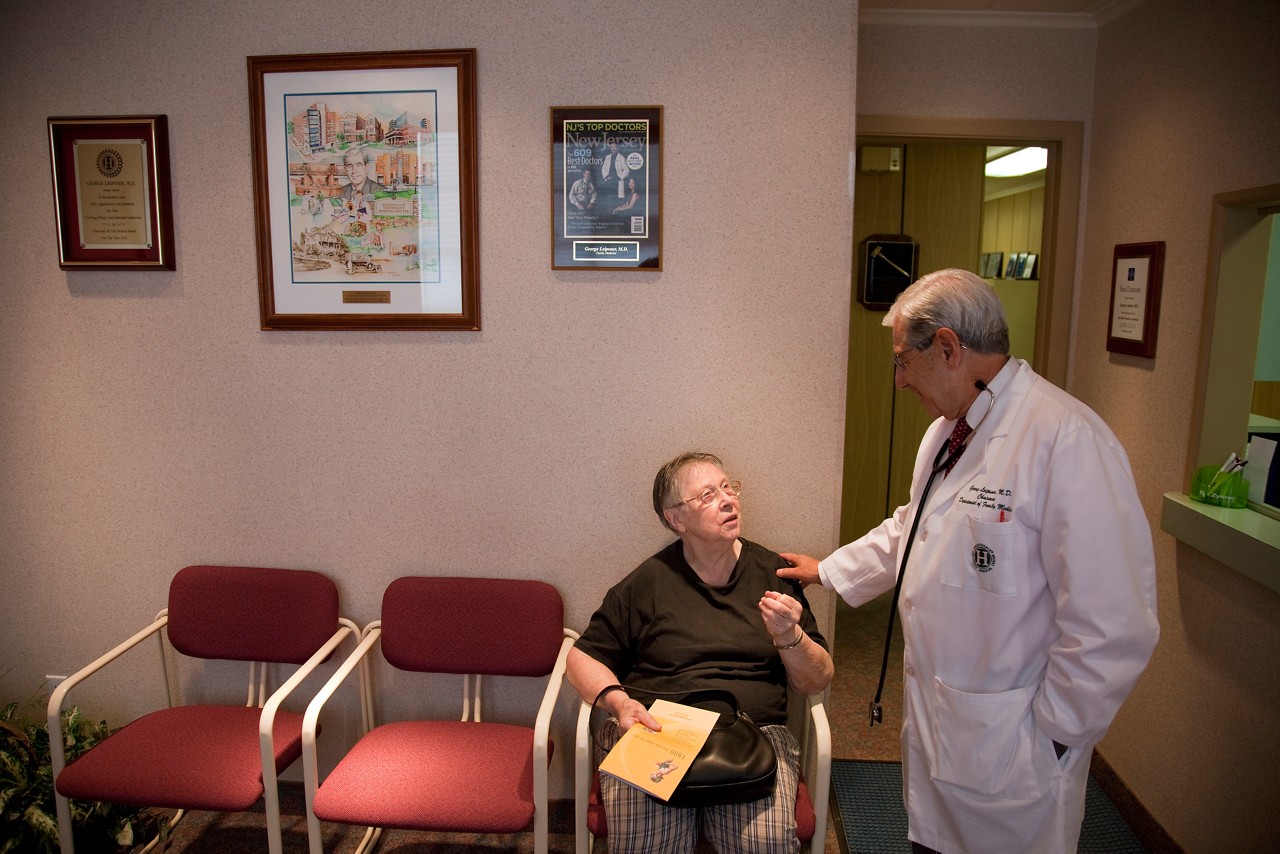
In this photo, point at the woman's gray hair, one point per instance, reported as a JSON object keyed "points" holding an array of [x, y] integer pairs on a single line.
{"points": [[665, 484], [958, 300]]}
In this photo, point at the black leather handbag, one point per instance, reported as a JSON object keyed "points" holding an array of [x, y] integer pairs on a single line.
{"points": [[736, 765]]}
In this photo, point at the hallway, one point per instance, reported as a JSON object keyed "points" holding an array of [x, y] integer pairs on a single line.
{"points": [[859, 648]]}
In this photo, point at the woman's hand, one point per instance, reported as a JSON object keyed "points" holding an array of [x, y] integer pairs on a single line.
{"points": [[781, 614], [630, 712], [809, 667], [596, 683]]}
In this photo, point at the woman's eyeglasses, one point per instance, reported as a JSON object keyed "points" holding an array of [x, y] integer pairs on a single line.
{"points": [[708, 496]]}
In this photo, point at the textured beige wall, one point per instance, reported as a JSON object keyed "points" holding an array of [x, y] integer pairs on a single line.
{"points": [[148, 424], [974, 72], [1185, 108]]}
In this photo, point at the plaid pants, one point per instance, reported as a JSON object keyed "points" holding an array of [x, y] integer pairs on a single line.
{"points": [[640, 825]]}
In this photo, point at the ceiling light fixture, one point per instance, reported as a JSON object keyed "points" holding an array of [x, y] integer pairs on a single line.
{"points": [[1021, 162]]}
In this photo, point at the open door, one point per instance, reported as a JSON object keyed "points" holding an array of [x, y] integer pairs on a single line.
{"points": [[936, 197]]}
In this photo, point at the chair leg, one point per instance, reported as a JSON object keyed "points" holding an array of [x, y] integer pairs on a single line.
{"points": [[315, 841], [540, 836], [370, 841], [66, 840], [271, 800], [155, 841]]}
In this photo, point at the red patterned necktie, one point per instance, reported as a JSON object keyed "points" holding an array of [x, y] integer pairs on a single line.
{"points": [[958, 434]]}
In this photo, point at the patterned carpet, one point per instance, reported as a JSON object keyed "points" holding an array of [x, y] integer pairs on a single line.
{"points": [[868, 796]]}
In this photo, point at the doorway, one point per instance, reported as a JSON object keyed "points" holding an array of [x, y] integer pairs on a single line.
{"points": [[881, 431]]}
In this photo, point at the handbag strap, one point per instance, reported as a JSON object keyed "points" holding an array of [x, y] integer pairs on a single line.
{"points": [[690, 697]]}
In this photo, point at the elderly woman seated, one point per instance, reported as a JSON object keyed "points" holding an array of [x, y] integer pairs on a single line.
{"points": [[708, 611]]}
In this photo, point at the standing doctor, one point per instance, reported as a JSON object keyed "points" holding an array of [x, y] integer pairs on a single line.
{"points": [[1028, 600]]}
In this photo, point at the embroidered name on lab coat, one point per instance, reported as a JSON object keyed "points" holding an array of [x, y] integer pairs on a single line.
{"points": [[987, 498]]}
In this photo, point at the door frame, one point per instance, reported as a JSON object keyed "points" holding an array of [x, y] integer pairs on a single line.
{"points": [[1065, 141], [868, 404]]}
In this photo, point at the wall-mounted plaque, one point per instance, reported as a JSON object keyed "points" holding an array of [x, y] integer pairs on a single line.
{"points": [[111, 192]]}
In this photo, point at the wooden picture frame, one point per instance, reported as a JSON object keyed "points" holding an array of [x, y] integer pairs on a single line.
{"points": [[1137, 271], [111, 192], [365, 190], [992, 265], [1028, 270], [606, 188]]}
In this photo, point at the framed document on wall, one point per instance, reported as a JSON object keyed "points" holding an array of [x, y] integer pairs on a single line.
{"points": [[1136, 273], [111, 192], [606, 188]]}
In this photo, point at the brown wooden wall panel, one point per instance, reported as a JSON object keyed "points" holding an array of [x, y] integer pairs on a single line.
{"points": [[937, 200], [943, 212]]}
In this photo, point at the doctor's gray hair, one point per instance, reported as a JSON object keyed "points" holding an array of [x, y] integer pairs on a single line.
{"points": [[958, 300], [666, 483]]}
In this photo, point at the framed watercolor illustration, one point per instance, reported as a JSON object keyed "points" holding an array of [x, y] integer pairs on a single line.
{"points": [[365, 190], [1136, 273], [606, 188], [111, 192]]}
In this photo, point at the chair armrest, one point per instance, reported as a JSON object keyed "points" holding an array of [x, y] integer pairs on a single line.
{"points": [[817, 763], [542, 725], [541, 739], [583, 769], [58, 698], [266, 720], [310, 771]]}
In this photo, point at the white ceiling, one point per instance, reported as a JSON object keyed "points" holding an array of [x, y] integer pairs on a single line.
{"points": [[1054, 13]]}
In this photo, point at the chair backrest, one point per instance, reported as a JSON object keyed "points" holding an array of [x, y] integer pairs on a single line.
{"points": [[489, 626], [244, 613]]}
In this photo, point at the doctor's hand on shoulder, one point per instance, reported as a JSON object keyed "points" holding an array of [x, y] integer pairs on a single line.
{"points": [[803, 568]]}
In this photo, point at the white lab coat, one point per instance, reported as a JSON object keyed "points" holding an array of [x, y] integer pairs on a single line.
{"points": [[1018, 633]]}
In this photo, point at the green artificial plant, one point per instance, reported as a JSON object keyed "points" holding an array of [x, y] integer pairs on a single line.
{"points": [[28, 815]]}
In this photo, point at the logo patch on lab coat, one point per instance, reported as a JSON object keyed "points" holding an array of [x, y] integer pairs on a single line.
{"points": [[982, 558]]}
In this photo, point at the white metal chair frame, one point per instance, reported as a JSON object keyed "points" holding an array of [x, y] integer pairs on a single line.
{"points": [[257, 695], [815, 765], [471, 711]]}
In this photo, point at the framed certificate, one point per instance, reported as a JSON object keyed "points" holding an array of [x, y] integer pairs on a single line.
{"points": [[606, 188], [111, 192], [365, 190], [1136, 273]]}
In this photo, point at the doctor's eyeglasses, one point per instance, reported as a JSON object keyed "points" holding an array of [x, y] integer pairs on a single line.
{"points": [[900, 360], [707, 497]]}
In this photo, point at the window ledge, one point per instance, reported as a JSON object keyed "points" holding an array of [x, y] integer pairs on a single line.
{"points": [[1245, 540]]}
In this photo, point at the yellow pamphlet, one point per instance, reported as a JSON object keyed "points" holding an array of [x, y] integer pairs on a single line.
{"points": [[655, 762]]}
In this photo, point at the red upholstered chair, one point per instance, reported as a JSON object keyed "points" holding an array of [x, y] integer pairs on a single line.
{"points": [[811, 798], [460, 775], [210, 757]]}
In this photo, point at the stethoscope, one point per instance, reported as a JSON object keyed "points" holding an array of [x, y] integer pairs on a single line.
{"points": [[941, 463]]}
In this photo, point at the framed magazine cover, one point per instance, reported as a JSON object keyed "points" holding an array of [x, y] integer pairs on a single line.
{"points": [[606, 188], [365, 190]]}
